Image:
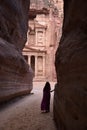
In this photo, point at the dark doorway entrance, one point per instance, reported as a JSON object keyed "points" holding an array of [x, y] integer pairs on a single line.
{"points": [[26, 57], [33, 63]]}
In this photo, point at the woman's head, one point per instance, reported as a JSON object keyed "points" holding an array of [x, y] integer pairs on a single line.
{"points": [[47, 86]]}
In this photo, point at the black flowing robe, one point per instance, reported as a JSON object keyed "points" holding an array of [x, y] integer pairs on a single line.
{"points": [[45, 104]]}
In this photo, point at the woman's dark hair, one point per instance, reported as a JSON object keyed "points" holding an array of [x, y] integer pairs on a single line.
{"points": [[47, 86]]}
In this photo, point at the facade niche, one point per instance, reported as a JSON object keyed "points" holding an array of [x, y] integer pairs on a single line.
{"points": [[39, 37]]}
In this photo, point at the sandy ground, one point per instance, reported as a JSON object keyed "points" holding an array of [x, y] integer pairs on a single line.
{"points": [[24, 113]]}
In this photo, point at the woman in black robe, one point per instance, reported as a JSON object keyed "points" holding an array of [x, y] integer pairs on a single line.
{"points": [[45, 104]]}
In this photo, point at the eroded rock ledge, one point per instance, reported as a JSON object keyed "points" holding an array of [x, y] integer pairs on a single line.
{"points": [[15, 74]]}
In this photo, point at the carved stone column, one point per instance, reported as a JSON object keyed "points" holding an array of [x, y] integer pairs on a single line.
{"points": [[44, 65], [29, 60], [35, 66]]}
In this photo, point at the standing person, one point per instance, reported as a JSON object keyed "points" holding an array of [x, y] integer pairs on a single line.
{"points": [[45, 104]]}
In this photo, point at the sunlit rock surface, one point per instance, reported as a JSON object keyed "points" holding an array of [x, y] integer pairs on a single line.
{"points": [[15, 74], [70, 100]]}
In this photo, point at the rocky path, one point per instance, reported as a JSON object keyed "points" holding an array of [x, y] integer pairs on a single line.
{"points": [[24, 113]]}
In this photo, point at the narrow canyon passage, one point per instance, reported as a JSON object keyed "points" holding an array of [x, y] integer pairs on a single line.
{"points": [[24, 113]]}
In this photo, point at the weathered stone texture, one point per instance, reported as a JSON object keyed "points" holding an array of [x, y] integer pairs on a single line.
{"points": [[13, 21], [15, 74], [70, 100]]}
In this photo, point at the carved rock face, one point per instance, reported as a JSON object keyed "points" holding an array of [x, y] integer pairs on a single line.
{"points": [[13, 21], [15, 74], [70, 112]]}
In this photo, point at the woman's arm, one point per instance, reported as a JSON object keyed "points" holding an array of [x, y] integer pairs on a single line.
{"points": [[52, 90]]}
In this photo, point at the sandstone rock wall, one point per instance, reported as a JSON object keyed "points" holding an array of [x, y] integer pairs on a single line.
{"points": [[15, 74], [70, 100]]}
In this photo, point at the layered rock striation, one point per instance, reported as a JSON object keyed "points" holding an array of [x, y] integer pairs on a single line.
{"points": [[70, 100], [15, 74]]}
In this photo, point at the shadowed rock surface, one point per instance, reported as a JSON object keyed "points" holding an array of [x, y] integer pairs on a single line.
{"points": [[70, 100], [15, 74]]}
